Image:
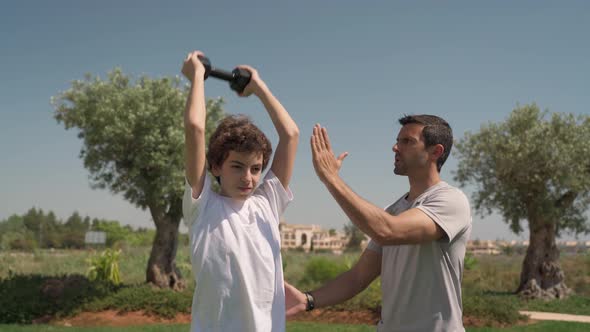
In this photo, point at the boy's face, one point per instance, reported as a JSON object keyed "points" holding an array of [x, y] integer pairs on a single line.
{"points": [[239, 174]]}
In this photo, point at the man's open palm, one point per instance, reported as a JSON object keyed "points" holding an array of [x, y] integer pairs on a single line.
{"points": [[325, 163]]}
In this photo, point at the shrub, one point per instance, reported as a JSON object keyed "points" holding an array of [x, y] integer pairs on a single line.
{"points": [[152, 300], [318, 270], [105, 267], [24, 298]]}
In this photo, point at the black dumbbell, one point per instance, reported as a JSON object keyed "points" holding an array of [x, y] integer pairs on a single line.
{"points": [[238, 78]]}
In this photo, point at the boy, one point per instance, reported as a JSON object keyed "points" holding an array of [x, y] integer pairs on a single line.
{"points": [[234, 235]]}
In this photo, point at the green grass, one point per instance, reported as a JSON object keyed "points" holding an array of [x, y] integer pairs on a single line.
{"points": [[50, 328], [132, 263], [575, 305], [538, 327], [295, 327], [486, 287]]}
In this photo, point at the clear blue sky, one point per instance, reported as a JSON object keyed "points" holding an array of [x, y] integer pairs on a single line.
{"points": [[353, 66]]}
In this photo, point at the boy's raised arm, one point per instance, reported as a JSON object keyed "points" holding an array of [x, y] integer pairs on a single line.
{"points": [[284, 156], [194, 123]]}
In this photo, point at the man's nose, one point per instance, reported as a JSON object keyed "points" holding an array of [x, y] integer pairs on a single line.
{"points": [[394, 148]]}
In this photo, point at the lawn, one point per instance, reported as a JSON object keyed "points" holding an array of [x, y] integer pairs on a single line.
{"points": [[487, 287], [294, 327]]}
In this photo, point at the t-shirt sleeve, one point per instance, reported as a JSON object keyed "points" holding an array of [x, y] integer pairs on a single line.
{"points": [[192, 206], [449, 209], [277, 195]]}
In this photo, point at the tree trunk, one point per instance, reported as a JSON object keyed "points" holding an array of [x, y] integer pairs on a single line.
{"points": [[161, 269], [542, 276]]}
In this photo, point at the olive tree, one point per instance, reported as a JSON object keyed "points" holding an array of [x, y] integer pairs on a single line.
{"points": [[133, 137], [534, 169]]}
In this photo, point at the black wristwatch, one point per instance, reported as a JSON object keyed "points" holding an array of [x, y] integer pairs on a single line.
{"points": [[310, 302]]}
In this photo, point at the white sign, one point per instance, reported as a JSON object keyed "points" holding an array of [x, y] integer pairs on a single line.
{"points": [[95, 237]]}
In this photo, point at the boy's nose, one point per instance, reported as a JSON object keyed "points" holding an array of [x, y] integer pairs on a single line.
{"points": [[246, 176]]}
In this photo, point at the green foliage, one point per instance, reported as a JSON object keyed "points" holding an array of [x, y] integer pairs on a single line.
{"points": [[293, 326], [133, 144], [318, 270], [530, 168], [152, 300], [492, 310], [115, 233], [489, 281], [37, 229], [575, 305], [470, 262], [133, 134], [355, 235], [24, 298], [327, 327], [494, 273], [105, 267]]}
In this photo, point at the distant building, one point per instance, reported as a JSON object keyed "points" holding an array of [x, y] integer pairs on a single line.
{"points": [[483, 247], [311, 237], [489, 247]]}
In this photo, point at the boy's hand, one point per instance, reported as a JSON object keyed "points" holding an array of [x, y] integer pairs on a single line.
{"points": [[256, 85], [192, 66], [295, 300]]}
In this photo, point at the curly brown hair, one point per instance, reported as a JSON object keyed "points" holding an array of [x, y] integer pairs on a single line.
{"points": [[237, 133]]}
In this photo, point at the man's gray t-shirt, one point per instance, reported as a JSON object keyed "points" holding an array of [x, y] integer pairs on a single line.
{"points": [[421, 284]]}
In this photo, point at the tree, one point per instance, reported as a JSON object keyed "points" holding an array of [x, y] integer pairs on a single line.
{"points": [[74, 231], [537, 170], [355, 236], [133, 141], [15, 235]]}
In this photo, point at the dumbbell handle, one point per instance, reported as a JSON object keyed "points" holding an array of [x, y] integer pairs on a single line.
{"points": [[238, 78], [221, 74]]}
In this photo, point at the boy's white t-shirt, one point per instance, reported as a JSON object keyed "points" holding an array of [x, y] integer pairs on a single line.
{"points": [[236, 258]]}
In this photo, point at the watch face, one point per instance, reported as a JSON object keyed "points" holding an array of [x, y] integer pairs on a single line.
{"points": [[310, 302]]}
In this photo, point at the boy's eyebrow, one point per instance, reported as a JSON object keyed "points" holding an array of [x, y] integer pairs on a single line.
{"points": [[241, 163]]}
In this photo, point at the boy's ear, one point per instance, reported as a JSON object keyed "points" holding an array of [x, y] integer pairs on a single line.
{"points": [[215, 170]]}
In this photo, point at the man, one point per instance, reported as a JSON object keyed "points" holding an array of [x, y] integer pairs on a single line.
{"points": [[418, 243]]}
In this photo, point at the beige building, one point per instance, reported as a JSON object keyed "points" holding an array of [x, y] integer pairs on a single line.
{"points": [[483, 247], [308, 237]]}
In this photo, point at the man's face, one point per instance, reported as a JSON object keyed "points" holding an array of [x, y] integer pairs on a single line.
{"points": [[239, 174], [410, 152]]}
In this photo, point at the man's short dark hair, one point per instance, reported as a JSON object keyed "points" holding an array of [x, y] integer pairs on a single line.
{"points": [[436, 131]]}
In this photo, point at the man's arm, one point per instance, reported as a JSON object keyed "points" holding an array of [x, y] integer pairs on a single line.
{"points": [[340, 289], [284, 156], [194, 123], [412, 226]]}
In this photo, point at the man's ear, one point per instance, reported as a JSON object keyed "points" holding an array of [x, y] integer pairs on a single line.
{"points": [[437, 151]]}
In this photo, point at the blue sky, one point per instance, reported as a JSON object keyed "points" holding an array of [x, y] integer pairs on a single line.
{"points": [[353, 66]]}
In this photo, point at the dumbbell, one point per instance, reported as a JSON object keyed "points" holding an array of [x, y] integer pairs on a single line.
{"points": [[237, 78]]}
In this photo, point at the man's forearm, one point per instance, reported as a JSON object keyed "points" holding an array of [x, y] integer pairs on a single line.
{"points": [[369, 218], [337, 291]]}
